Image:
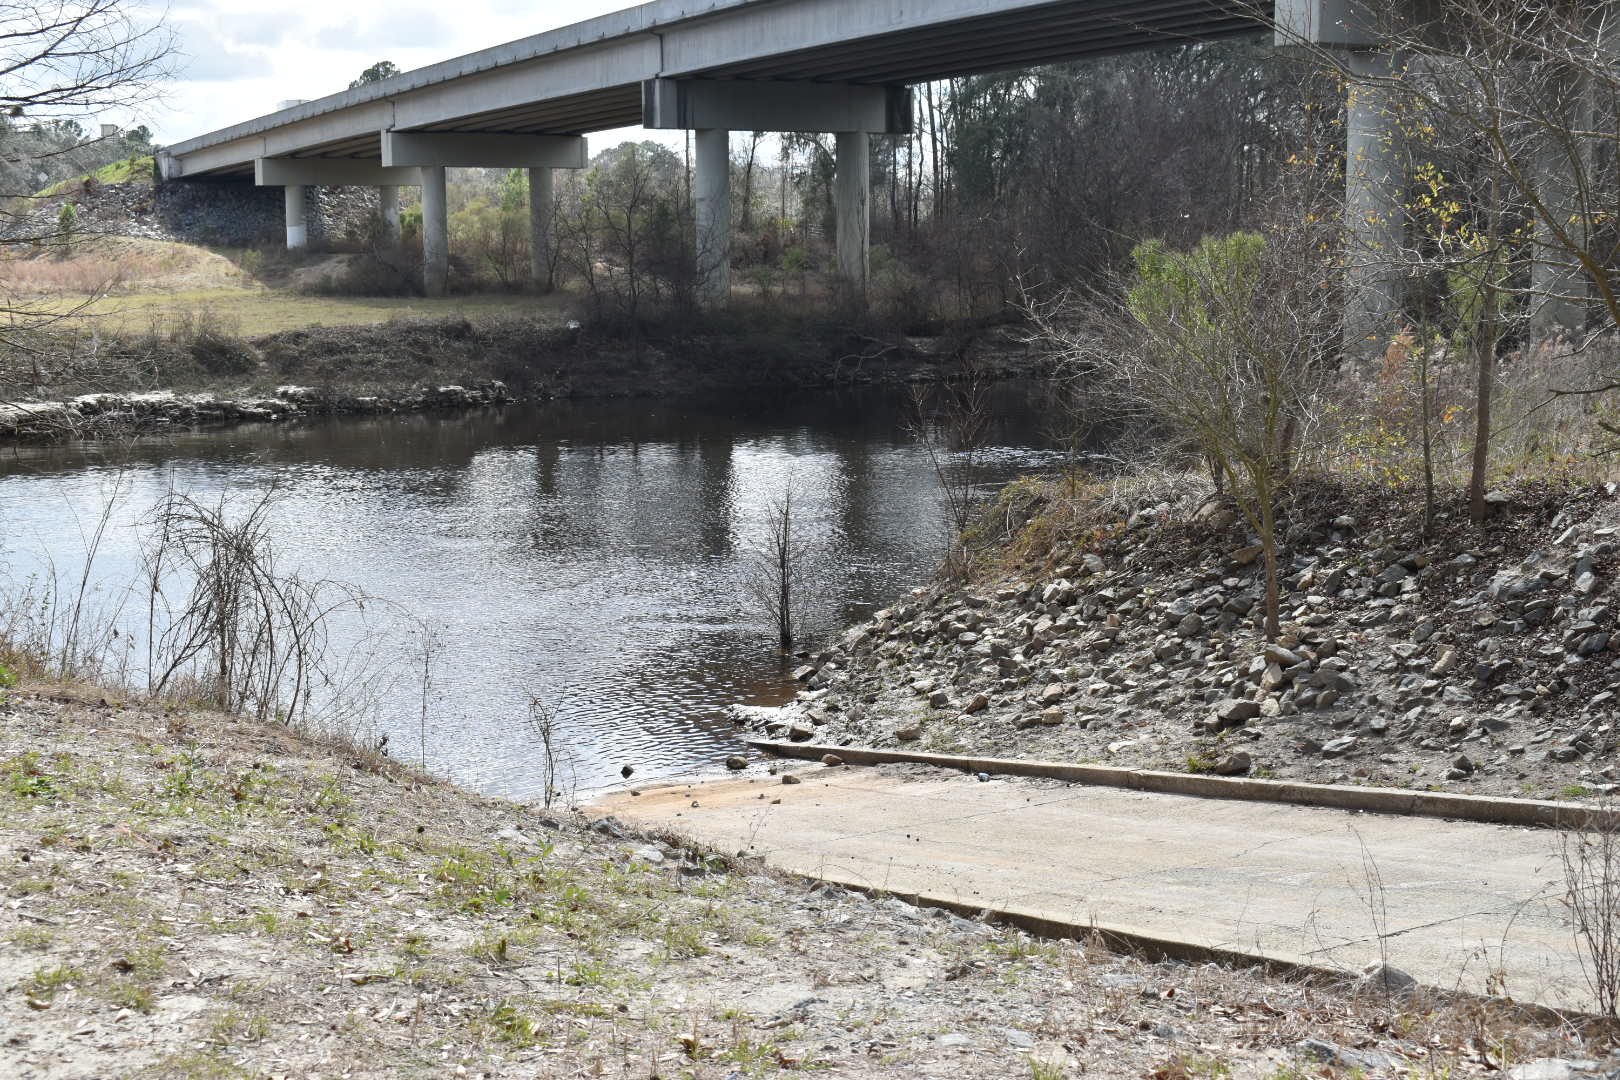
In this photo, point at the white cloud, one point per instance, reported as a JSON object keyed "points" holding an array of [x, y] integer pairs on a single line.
{"points": [[243, 56]]}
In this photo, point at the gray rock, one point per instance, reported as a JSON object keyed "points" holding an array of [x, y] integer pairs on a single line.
{"points": [[1339, 747], [1551, 1069], [1021, 1039], [736, 762], [1119, 981], [1385, 978], [1190, 625], [1236, 764], [953, 1041], [1234, 711]]}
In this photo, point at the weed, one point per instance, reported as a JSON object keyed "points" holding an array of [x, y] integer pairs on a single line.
{"points": [[512, 1026], [1574, 791], [32, 937], [683, 941], [492, 951], [754, 1058], [46, 982], [235, 1026], [1200, 763], [25, 779], [1192, 1067], [199, 1065], [128, 994], [1045, 1070]]}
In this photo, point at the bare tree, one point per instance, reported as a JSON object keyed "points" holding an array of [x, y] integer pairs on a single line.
{"points": [[773, 576], [950, 422], [1227, 346], [60, 59], [70, 57], [1511, 111]]}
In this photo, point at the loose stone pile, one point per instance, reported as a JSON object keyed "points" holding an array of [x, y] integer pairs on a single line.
{"points": [[1467, 663]]}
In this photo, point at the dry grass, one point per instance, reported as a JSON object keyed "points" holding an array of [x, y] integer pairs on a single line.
{"points": [[257, 311], [118, 264], [147, 284], [1374, 424]]}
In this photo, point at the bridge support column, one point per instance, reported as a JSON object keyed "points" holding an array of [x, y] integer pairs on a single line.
{"points": [[712, 154], [435, 232], [852, 191], [1375, 215], [297, 231], [540, 239], [388, 213], [1559, 286]]}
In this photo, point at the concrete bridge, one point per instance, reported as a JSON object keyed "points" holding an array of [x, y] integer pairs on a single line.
{"points": [[710, 66]]}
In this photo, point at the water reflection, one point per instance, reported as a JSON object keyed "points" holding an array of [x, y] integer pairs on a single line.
{"points": [[593, 553]]}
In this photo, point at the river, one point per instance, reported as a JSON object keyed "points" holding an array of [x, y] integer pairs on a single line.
{"points": [[592, 553]]}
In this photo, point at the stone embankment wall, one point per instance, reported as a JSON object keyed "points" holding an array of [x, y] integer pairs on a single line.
{"points": [[92, 414], [218, 213]]}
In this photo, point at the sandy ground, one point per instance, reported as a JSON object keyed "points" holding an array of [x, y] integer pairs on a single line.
{"points": [[187, 895]]}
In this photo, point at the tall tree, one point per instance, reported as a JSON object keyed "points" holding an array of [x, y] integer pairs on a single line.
{"points": [[382, 69]]}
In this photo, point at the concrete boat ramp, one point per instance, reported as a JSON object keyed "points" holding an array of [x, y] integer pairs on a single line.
{"points": [[1458, 905]]}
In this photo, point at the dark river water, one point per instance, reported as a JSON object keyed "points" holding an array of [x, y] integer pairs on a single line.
{"points": [[593, 553]]}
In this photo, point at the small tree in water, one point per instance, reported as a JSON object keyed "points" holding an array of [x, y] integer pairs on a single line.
{"points": [[772, 578]]}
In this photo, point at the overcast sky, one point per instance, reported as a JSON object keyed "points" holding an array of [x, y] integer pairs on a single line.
{"points": [[240, 57]]}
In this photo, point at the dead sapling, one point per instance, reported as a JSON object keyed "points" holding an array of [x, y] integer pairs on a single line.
{"points": [[774, 570]]}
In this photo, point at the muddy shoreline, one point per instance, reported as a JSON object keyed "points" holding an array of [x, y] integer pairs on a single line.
{"points": [[460, 364]]}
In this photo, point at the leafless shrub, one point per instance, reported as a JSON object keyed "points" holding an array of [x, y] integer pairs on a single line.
{"points": [[772, 573], [1590, 857], [227, 625], [950, 423], [555, 756]]}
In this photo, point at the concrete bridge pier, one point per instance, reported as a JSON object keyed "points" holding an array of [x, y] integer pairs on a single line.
{"points": [[1560, 288], [297, 231], [433, 151], [435, 232], [852, 195], [540, 225], [715, 108], [1374, 205], [388, 213], [712, 165]]}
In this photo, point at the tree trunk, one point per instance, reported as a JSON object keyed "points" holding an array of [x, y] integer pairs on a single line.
{"points": [[1268, 542], [1485, 340]]}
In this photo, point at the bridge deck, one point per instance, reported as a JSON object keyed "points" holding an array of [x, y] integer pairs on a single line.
{"points": [[587, 77]]}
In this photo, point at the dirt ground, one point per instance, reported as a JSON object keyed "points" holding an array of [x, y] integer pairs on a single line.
{"points": [[188, 895]]}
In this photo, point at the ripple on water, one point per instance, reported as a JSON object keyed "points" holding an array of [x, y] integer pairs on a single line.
{"points": [[594, 554]]}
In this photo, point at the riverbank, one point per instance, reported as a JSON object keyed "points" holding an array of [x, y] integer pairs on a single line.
{"points": [[1120, 629], [201, 375], [191, 895]]}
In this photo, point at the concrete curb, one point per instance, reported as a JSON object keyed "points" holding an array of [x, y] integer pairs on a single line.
{"points": [[1538, 813], [1125, 940]]}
